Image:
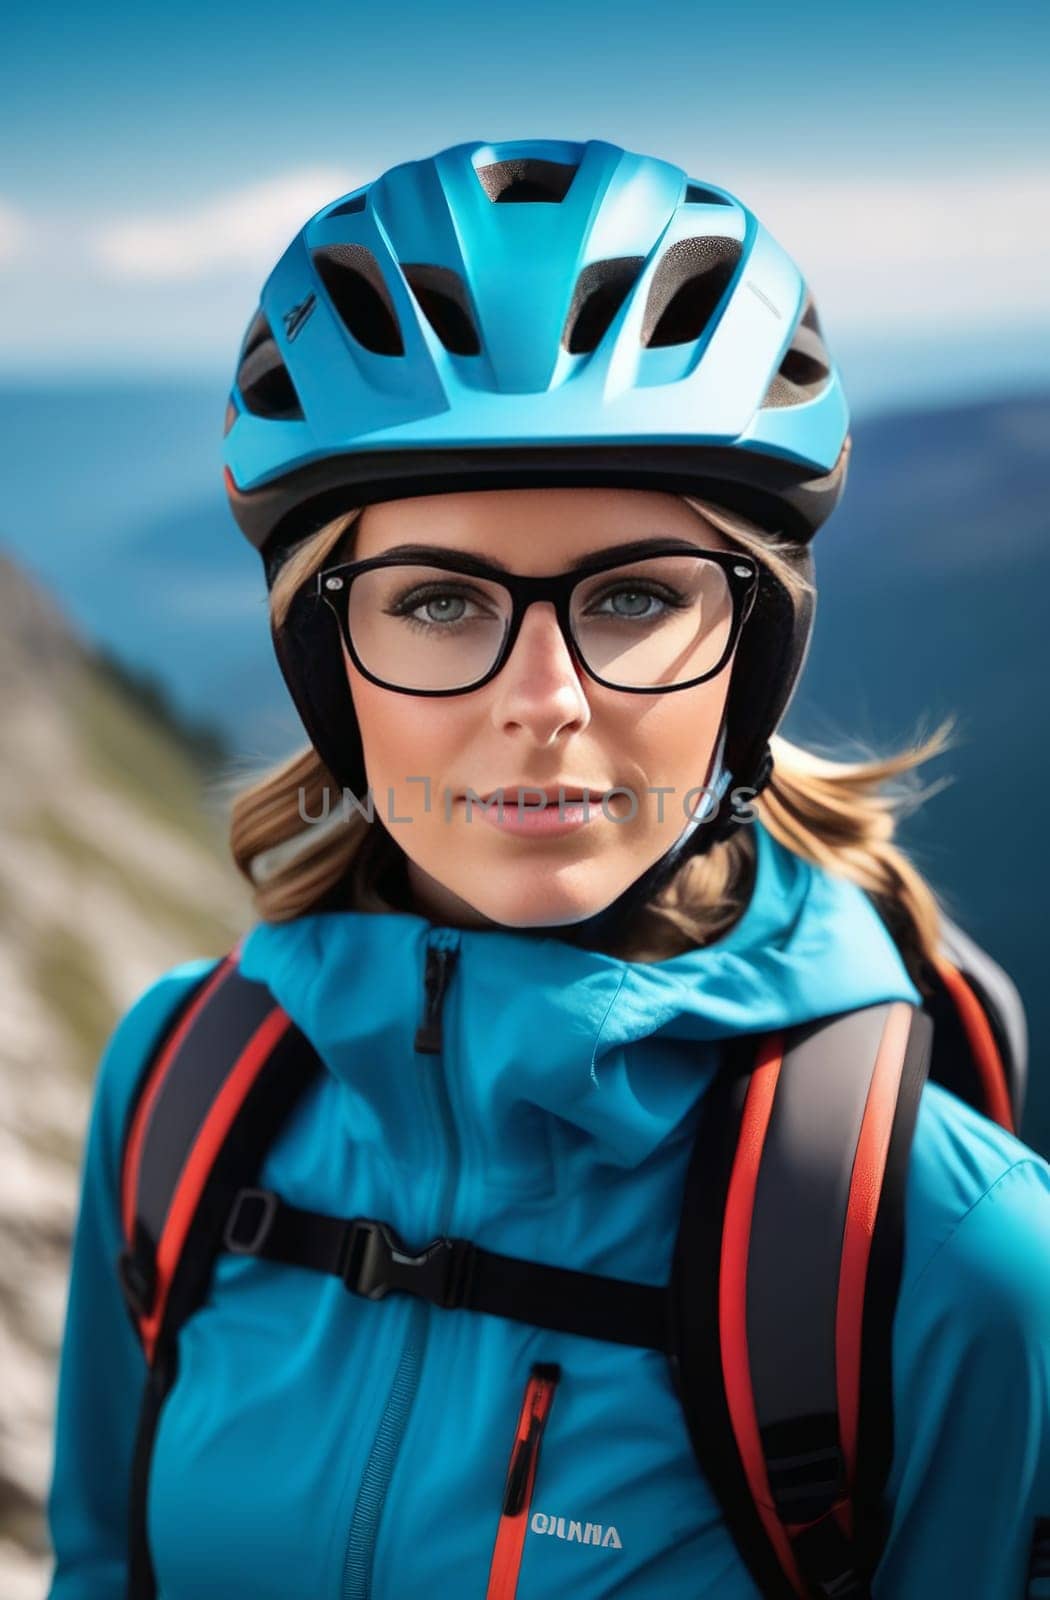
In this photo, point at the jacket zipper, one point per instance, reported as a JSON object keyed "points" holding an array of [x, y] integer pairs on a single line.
{"points": [[442, 954], [442, 950], [521, 1478]]}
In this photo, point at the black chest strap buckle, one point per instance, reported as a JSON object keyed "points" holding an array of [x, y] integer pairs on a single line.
{"points": [[376, 1260], [365, 1252]]}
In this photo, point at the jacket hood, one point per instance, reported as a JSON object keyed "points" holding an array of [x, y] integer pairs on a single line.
{"points": [[531, 1024]]}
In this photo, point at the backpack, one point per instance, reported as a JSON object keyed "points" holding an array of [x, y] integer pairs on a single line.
{"points": [[794, 1194]]}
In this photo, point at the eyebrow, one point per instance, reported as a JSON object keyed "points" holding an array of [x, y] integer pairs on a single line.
{"points": [[633, 547]]}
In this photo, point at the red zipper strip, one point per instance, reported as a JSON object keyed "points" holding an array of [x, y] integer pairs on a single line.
{"points": [[521, 1476]]}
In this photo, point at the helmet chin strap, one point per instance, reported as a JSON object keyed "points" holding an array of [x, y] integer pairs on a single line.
{"points": [[603, 924]]}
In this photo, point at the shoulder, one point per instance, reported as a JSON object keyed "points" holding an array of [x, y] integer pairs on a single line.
{"points": [[977, 1204], [970, 1476]]}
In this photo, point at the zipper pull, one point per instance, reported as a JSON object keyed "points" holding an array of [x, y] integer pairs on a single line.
{"points": [[538, 1399], [521, 1478], [442, 953]]}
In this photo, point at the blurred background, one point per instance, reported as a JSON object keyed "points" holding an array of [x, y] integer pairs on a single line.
{"points": [[157, 163]]}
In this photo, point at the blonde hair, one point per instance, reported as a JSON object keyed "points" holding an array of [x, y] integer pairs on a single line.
{"points": [[839, 815]]}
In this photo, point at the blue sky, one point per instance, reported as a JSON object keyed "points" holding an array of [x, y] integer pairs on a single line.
{"points": [[158, 160]]}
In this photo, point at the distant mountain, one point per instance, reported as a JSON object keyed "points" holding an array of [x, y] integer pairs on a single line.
{"points": [[932, 584], [113, 867]]}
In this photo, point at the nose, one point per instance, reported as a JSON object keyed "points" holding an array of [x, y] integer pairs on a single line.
{"points": [[539, 686]]}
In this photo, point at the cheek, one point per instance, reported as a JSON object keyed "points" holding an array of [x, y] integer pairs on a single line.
{"points": [[404, 736], [671, 741]]}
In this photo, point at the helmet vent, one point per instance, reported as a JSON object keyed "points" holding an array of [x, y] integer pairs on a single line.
{"points": [[697, 195], [688, 288], [358, 291], [443, 297], [526, 179], [347, 207], [601, 289], [806, 366], [809, 316], [263, 378]]}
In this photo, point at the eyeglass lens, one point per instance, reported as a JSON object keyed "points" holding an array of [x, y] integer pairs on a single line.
{"points": [[656, 621]]}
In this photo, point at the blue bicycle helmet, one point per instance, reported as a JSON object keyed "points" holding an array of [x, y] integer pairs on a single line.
{"points": [[538, 312]]}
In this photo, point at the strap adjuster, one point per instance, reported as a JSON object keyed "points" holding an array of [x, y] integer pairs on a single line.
{"points": [[249, 1221], [374, 1260], [830, 1560], [138, 1281]]}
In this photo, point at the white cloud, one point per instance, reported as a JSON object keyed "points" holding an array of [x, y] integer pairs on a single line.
{"points": [[878, 251], [961, 257], [246, 228], [14, 231], [906, 250]]}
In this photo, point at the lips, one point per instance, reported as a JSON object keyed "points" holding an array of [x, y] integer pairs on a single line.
{"points": [[553, 792]]}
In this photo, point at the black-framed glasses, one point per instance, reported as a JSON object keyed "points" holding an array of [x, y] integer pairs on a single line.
{"points": [[651, 618]]}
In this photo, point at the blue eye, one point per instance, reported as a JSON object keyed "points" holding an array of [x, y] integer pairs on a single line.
{"points": [[417, 599], [669, 600]]}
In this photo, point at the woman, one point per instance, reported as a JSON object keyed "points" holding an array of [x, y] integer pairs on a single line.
{"points": [[539, 521]]}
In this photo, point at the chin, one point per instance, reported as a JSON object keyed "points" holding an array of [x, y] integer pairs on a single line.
{"points": [[538, 905]]}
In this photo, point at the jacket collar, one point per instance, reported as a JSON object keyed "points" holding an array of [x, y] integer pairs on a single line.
{"points": [[530, 1020]]}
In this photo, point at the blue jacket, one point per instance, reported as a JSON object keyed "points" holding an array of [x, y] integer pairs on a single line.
{"points": [[319, 1446]]}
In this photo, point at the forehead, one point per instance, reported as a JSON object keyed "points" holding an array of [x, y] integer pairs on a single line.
{"points": [[531, 530]]}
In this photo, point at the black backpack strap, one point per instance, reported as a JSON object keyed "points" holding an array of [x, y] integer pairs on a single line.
{"points": [[211, 1099], [786, 1273], [455, 1274], [982, 1033]]}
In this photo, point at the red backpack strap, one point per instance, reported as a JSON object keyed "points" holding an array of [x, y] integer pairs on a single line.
{"points": [[213, 1095], [982, 1031], [786, 1273]]}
